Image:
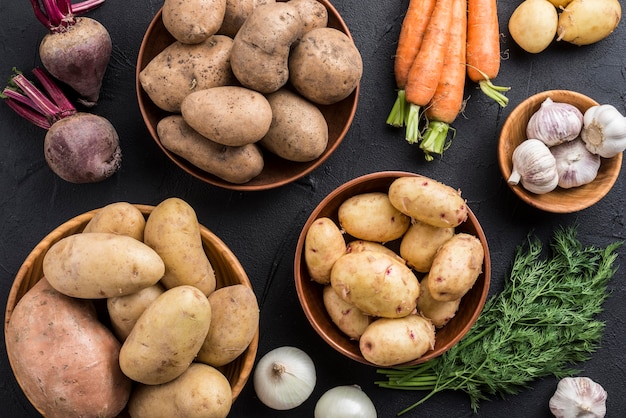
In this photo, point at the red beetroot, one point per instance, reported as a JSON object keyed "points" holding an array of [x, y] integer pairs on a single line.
{"points": [[77, 50], [79, 147]]}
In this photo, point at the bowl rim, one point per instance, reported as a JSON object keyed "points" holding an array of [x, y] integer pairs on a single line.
{"points": [[209, 178], [77, 223], [535, 200], [316, 323]]}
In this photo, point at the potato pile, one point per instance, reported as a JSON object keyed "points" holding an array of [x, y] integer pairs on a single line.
{"points": [[247, 76], [393, 300], [172, 329]]}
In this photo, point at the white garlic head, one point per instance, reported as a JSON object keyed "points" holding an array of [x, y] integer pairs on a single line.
{"points": [[578, 397], [534, 167], [555, 122], [604, 130], [575, 164]]}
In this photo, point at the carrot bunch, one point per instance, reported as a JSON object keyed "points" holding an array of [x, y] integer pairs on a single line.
{"points": [[441, 42]]}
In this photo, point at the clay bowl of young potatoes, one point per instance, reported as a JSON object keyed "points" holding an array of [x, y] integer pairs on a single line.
{"points": [[569, 150], [387, 252], [137, 306], [249, 106]]}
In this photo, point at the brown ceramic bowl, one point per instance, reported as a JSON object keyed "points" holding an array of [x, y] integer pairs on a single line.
{"points": [[310, 292], [276, 171], [227, 268], [559, 200]]}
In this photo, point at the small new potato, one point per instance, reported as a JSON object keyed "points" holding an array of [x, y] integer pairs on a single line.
{"points": [[125, 310], [348, 318], [181, 69], [429, 201], [236, 165], [371, 217], [234, 323], [120, 218], [439, 312], [420, 244], [323, 245], [167, 336], [376, 283], [100, 265], [173, 231], [228, 115], [533, 25], [389, 342], [325, 66], [585, 22], [193, 21], [298, 131], [200, 392], [456, 267]]}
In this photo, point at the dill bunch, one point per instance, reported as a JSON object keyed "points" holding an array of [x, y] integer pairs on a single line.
{"points": [[541, 324]]}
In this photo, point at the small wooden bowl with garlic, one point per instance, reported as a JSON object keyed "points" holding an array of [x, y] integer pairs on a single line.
{"points": [[558, 199]]}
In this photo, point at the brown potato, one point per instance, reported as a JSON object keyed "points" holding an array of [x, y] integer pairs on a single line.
{"points": [[325, 66], [439, 312], [372, 217], [181, 69], [237, 165], [118, 218], [193, 21], [125, 310], [421, 242], [237, 11], [299, 131], [323, 245], [312, 12], [348, 318]]}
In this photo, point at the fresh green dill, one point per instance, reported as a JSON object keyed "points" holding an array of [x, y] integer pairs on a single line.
{"points": [[541, 324]]}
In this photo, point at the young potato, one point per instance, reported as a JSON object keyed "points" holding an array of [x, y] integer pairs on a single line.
{"points": [[440, 313], [348, 318], [371, 217], [100, 265], [66, 359], [360, 245], [533, 25], [125, 310], [237, 11], [200, 392], [173, 231], [193, 21], [181, 69], [228, 115], [237, 165], [429, 201], [586, 22], [167, 336], [375, 283], [420, 244], [299, 131], [312, 12], [234, 323], [389, 342], [325, 66], [118, 218], [261, 48], [456, 267], [323, 245]]}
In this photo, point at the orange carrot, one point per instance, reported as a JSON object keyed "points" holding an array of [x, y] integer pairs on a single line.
{"points": [[411, 34], [483, 47], [427, 67], [447, 101]]}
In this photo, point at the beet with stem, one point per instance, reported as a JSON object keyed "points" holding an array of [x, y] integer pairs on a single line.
{"points": [[79, 147], [76, 50]]}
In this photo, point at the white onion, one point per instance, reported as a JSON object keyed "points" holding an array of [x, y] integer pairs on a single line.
{"points": [[284, 378], [345, 402]]}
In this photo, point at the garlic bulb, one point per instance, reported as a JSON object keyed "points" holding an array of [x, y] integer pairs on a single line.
{"points": [[534, 166], [604, 130], [555, 123], [578, 397], [575, 164]]}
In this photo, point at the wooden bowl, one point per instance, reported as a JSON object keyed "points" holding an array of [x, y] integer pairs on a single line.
{"points": [[559, 200], [228, 271], [276, 171], [310, 292]]}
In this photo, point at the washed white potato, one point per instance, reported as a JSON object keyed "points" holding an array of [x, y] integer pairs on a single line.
{"points": [[323, 245], [372, 217], [533, 25], [584, 22], [420, 244], [359, 245], [348, 318], [439, 312]]}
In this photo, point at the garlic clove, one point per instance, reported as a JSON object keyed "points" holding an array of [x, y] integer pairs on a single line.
{"points": [[578, 397], [534, 167], [604, 130], [575, 164], [555, 123]]}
